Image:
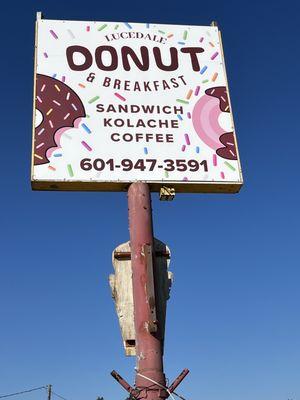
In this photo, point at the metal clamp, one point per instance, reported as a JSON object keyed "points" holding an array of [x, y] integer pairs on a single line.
{"points": [[166, 193]]}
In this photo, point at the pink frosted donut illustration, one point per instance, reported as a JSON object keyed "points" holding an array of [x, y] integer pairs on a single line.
{"points": [[205, 119], [60, 108]]}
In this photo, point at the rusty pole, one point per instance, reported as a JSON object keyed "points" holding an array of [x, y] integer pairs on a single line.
{"points": [[150, 378], [150, 381]]}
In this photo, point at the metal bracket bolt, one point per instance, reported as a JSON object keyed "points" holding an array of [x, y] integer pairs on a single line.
{"points": [[166, 193]]}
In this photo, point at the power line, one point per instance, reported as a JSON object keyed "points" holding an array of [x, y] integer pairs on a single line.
{"points": [[24, 391], [51, 392], [31, 390], [58, 395]]}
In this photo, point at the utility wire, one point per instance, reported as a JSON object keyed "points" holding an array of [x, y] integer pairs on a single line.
{"points": [[24, 391], [58, 395]]}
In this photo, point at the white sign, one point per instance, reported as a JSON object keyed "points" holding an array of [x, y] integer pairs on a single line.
{"points": [[120, 102]]}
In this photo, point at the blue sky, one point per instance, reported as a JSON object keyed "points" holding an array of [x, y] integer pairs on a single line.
{"points": [[233, 316]]}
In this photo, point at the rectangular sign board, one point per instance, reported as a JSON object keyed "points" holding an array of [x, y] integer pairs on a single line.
{"points": [[118, 102]]}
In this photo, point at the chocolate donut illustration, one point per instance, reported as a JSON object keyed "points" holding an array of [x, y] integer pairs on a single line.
{"points": [[60, 107], [205, 117]]}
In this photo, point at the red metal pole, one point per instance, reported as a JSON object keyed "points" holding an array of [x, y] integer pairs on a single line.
{"points": [[150, 377]]}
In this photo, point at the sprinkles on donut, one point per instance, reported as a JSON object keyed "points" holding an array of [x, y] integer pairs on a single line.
{"points": [[60, 107]]}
